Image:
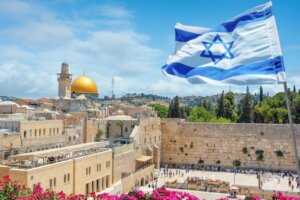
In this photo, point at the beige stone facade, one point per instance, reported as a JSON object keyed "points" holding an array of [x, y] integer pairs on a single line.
{"points": [[20, 136], [139, 178], [90, 172], [91, 128], [221, 144], [148, 136]]}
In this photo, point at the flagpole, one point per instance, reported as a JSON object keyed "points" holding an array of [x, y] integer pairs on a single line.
{"points": [[292, 130]]}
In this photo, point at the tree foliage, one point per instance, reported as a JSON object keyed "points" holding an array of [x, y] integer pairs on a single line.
{"points": [[246, 109], [162, 110], [200, 114]]}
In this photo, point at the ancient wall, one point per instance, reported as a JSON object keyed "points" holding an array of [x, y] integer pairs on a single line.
{"points": [[123, 161], [254, 145], [148, 135], [91, 128]]}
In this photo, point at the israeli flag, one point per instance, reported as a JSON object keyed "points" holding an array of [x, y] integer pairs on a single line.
{"points": [[244, 50]]}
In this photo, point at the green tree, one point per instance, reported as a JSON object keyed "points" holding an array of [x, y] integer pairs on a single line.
{"points": [[170, 111], [162, 110], [99, 134], [221, 107], [261, 94], [246, 114], [176, 108], [200, 114], [207, 105], [296, 109]]}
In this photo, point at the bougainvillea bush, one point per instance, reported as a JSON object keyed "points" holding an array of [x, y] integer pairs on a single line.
{"points": [[13, 191]]}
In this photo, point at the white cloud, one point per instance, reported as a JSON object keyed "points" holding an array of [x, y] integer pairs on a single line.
{"points": [[113, 11], [22, 81], [45, 34], [34, 50]]}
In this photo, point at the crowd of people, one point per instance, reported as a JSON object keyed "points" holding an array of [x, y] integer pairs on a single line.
{"points": [[172, 170]]}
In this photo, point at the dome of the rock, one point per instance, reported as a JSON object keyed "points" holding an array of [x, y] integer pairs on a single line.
{"points": [[83, 85]]}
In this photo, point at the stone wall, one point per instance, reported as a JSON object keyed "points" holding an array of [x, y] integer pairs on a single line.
{"points": [[149, 138], [123, 161], [221, 144], [139, 178], [91, 128]]}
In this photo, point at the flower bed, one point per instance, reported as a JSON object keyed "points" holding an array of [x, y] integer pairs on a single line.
{"points": [[13, 191]]}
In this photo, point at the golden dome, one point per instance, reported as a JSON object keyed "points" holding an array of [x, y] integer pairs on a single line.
{"points": [[84, 85]]}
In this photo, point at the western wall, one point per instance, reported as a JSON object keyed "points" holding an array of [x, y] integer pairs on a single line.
{"points": [[228, 144]]}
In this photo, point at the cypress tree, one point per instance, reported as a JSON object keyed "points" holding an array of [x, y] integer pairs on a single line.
{"points": [[246, 112], [221, 108], [228, 112], [176, 109], [170, 111], [261, 95]]}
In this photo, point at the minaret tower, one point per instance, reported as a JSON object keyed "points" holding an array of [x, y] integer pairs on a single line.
{"points": [[64, 81]]}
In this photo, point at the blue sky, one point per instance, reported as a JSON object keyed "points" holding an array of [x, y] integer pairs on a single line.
{"points": [[128, 39]]}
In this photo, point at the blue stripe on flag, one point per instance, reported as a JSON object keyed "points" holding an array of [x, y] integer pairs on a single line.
{"points": [[271, 66], [185, 36]]}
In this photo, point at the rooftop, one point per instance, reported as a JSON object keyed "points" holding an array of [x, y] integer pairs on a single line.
{"points": [[46, 157]]}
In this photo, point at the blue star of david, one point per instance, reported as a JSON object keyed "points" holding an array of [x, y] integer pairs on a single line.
{"points": [[217, 57]]}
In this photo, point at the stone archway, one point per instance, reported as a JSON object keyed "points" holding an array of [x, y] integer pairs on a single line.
{"points": [[142, 182], [147, 179]]}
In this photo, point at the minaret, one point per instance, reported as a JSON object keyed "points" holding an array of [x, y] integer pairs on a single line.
{"points": [[64, 81]]}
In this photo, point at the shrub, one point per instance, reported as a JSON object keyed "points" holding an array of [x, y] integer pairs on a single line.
{"points": [[236, 163], [245, 150], [99, 133], [192, 145], [259, 152], [181, 149], [218, 162], [279, 153], [200, 162], [260, 157]]}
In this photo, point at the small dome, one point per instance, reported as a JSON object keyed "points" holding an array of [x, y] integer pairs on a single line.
{"points": [[119, 112], [84, 85]]}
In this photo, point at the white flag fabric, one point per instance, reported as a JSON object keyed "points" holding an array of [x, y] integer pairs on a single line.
{"points": [[244, 50]]}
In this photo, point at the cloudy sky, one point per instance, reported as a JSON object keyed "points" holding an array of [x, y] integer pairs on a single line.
{"points": [[129, 40]]}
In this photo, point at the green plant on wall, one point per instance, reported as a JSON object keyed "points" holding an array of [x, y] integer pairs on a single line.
{"points": [[245, 150], [260, 157], [236, 163], [259, 152], [218, 162], [279, 153], [181, 149], [99, 133], [192, 145], [200, 162]]}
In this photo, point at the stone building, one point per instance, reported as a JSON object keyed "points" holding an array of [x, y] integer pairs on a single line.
{"points": [[78, 169]]}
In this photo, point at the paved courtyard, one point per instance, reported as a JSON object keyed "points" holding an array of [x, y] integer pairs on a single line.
{"points": [[269, 181]]}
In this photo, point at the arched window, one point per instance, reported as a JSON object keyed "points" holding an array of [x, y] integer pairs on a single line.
{"points": [[25, 134]]}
